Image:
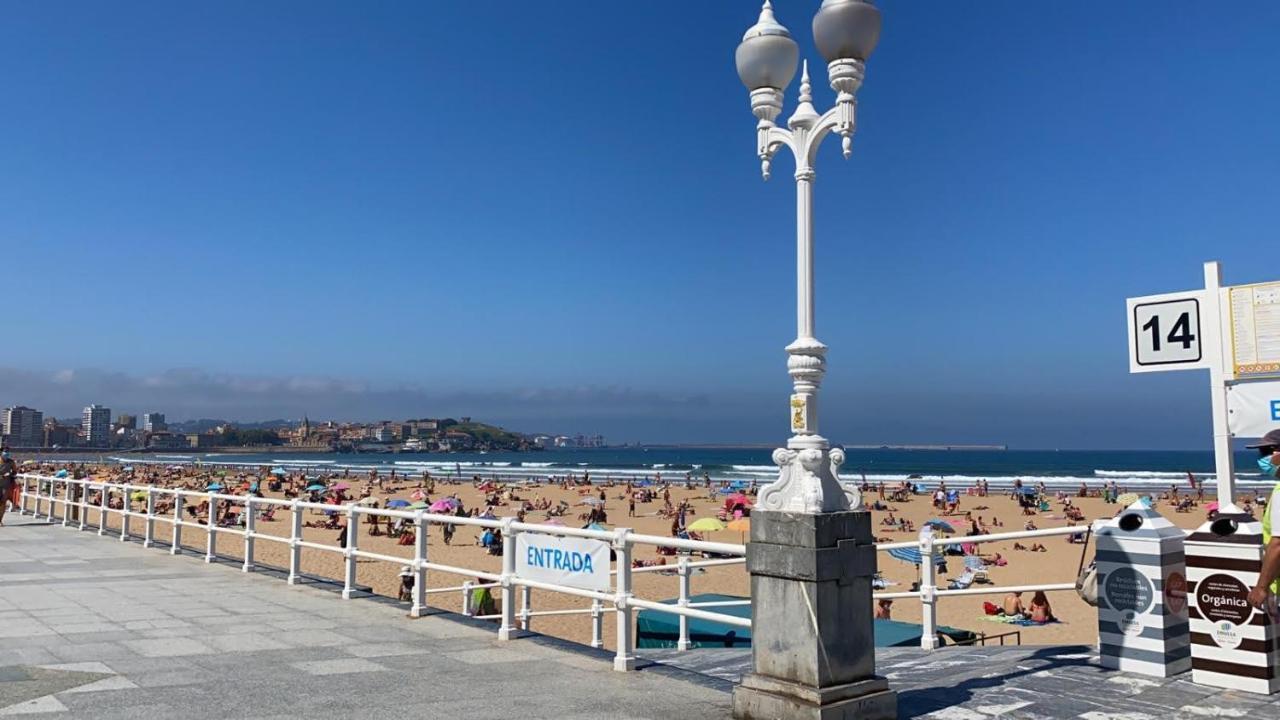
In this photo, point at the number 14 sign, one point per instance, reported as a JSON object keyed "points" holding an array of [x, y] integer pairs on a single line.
{"points": [[1165, 332]]}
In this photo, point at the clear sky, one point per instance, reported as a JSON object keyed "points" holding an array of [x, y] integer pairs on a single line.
{"points": [[550, 214]]}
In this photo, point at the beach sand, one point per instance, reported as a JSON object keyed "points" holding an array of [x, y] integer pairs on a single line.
{"points": [[1057, 564]]}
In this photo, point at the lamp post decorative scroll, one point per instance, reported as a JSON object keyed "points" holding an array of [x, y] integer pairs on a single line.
{"points": [[846, 32]]}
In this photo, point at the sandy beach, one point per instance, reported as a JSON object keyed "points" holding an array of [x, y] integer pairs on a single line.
{"points": [[1056, 563]]}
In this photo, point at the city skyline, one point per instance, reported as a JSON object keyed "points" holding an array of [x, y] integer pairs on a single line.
{"points": [[292, 209]]}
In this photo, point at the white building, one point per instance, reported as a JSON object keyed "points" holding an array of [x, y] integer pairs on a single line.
{"points": [[154, 422], [23, 427], [97, 426]]}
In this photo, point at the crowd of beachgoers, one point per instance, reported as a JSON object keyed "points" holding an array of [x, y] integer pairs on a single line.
{"points": [[684, 506]]}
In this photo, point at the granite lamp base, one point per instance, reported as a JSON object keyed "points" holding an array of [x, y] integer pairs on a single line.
{"points": [[760, 697]]}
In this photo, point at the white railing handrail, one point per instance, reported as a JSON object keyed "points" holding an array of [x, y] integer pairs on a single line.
{"points": [[621, 540]]}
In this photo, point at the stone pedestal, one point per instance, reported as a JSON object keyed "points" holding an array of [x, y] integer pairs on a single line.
{"points": [[812, 637]]}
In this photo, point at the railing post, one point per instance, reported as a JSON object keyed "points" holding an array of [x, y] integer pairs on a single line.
{"points": [[211, 537], [597, 624], [125, 501], [506, 628], [353, 530], [526, 598], [295, 536], [66, 502], [250, 526], [149, 529], [682, 570], [420, 526], [624, 659], [466, 601], [35, 505], [928, 594], [102, 511], [175, 545]]}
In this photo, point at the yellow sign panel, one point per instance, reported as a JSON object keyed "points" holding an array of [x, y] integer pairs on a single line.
{"points": [[799, 414], [1255, 330]]}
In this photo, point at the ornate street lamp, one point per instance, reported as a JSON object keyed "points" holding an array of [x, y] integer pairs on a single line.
{"points": [[812, 553], [846, 31]]}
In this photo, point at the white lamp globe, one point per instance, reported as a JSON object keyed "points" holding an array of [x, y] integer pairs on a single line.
{"points": [[846, 29], [767, 56]]}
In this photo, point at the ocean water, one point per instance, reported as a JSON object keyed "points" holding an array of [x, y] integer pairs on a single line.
{"points": [[1139, 468]]}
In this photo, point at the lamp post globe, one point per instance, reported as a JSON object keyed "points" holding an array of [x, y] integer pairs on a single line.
{"points": [[846, 29], [767, 57]]}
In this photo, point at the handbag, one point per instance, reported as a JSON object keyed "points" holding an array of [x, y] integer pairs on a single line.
{"points": [[1087, 577]]}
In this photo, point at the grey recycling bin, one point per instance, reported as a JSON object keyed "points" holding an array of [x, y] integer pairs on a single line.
{"points": [[1142, 598]]}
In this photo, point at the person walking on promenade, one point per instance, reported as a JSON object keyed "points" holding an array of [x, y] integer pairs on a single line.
{"points": [[1269, 577], [8, 481]]}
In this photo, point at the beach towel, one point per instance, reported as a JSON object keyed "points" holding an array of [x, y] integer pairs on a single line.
{"points": [[1017, 620]]}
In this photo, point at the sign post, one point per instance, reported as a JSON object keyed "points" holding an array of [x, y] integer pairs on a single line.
{"points": [[1234, 332]]}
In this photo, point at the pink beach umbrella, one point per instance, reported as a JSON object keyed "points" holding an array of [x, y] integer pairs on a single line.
{"points": [[340, 486], [444, 505]]}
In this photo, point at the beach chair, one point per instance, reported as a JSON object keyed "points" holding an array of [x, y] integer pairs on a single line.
{"points": [[962, 582], [974, 564]]}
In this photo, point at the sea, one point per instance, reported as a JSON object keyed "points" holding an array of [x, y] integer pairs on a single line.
{"points": [[1066, 469]]}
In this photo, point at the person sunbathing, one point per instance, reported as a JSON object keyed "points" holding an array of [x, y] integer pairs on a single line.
{"points": [[1040, 609], [1013, 605]]}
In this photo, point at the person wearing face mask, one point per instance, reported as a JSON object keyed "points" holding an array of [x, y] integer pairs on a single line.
{"points": [[1269, 578]]}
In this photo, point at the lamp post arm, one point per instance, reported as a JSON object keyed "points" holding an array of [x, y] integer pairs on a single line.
{"points": [[769, 138]]}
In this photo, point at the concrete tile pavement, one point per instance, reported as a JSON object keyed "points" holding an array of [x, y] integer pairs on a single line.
{"points": [[135, 633]]}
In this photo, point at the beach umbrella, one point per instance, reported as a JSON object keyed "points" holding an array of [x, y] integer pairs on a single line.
{"points": [[941, 525], [1211, 506], [60, 474], [397, 503], [594, 502], [740, 525], [138, 495], [1027, 491], [215, 487], [367, 501], [913, 555], [278, 471], [441, 505], [738, 499], [420, 506], [341, 486], [1127, 499], [597, 526], [418, 495], [316, 487], [706, 524]]}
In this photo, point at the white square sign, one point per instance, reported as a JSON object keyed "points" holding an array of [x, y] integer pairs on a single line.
{"points": [[1164, 332]]}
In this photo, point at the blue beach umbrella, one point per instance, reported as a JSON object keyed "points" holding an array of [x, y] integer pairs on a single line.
{"points": [[913, 556], [214, 487], [316, 487], [1028, 491], [60, 474], [397, 503], [278, 471], [941, 525]]}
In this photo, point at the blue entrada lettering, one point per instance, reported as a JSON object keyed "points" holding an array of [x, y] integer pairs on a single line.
{"points": [[1275, 410], [554, 559]]}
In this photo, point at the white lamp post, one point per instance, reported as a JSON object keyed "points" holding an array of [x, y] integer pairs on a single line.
{"points": [[812, 553], [846, 31]]}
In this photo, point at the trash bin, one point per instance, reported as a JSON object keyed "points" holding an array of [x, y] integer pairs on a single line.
{"points": [[1142, 600], [1233, 645]]}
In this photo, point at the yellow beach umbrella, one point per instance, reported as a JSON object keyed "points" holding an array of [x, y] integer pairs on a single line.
{"points": [[739, 525], [1127, 499], [706, 524]]}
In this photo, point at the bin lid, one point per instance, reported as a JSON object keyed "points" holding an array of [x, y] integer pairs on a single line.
{"points": [[1139, 522], [1229, 528]]}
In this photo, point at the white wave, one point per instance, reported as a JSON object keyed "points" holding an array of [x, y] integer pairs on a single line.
{"points": [[1141, 473]]}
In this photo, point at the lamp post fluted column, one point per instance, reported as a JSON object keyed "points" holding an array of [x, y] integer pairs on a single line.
{"points": [[812, 553]]}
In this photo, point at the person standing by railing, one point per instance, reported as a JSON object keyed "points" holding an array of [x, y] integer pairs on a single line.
{"points": [[8, 482]]}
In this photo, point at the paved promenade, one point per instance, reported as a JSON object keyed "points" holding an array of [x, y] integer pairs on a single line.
{"points": [[94, 628]]}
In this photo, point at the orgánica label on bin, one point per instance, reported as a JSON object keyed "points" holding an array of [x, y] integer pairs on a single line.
{"points": [[1130, 593], [1224, 601]]}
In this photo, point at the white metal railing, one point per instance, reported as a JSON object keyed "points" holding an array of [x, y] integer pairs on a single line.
{"points": [[73, 496], [928, 592]]}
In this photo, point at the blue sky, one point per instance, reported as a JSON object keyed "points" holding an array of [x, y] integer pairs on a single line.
{"points": [[550, 215]]}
